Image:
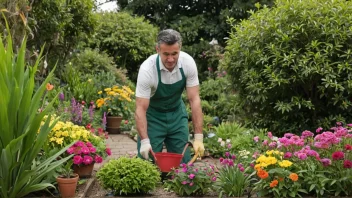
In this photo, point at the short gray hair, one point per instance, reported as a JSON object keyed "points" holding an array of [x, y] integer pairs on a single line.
{"points": [[169, 37]]}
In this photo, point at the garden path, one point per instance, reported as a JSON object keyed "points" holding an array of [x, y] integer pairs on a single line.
{"points": [[120, 144]]}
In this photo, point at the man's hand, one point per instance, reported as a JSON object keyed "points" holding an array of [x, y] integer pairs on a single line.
{"points": [[198, 145], [145, 148]]}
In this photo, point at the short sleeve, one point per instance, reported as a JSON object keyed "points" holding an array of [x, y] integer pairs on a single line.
{"points": [[192, 73], [144, 84]]}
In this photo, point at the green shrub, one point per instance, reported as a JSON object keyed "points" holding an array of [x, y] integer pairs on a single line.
{"points": [[291, 64], [129, 176]]}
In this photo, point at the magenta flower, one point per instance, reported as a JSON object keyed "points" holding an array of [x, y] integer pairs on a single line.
{"points": [[338, 155], [85, 150], [326, 162], [191, 184], [70, 150], [89, 144], [288, 155], [184, 169], [347, 164], [265, 142], [213, 179], [108, 151], [98, 159], [79, 144], [319, 130], [92, 149], [77, 159], [270, 135], [229, 146], [87, 159], [242, 169], [306, 134], [191, 176], [227, 154], [184, 182], [348, 147]]}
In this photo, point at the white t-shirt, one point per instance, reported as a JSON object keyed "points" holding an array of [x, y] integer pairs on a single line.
{"points": [[147, 81]]}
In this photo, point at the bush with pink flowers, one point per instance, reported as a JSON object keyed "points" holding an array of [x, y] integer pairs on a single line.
{"points": [[84, 153], [191, 180]]}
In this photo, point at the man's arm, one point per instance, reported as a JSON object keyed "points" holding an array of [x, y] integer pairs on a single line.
{"points": [[141, 118], [197, 115]]}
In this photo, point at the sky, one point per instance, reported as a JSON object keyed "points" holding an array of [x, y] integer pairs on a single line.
{"points": [[107, 6]]}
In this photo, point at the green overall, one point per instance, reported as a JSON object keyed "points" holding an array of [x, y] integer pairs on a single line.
{"points": [[167, 118]]}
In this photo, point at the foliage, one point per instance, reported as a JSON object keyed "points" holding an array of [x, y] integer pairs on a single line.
{"points": [[93, 62], [291, 63], [21, 136], [217, 146], [114, 101], [130, 40], [234, 179], [129, 176], [66, 171], [191, 180]]}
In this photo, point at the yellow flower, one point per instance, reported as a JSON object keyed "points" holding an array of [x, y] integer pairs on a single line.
{"points": [[59, 140], [58, 134], [100, 102], [107, 89], [100, 92], [52, 139], [65, 133], [285, 163], [89, 80]]}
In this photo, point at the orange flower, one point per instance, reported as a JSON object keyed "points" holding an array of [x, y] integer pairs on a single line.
{"points": [[262, 174], [281, 179], [293, 177], [49, 87], [274, 183]]}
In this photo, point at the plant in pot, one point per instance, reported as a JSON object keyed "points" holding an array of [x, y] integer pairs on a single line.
{"points": [[67, 181], [85, 156], [115, 101], [129, 176]]}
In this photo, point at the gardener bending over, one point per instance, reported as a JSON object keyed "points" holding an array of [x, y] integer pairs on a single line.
{"points": [[161, 115]]}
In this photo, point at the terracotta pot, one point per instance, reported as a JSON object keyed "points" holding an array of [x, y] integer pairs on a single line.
{"points": [[113, 124], [67, 186], [83, 171]]}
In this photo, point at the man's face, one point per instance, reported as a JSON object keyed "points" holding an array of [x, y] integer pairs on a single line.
{"points": [[169, 54]]}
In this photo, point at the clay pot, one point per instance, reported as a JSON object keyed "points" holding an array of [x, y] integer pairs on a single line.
{"points": [[113, 124], [83, 171], [67, 186]]}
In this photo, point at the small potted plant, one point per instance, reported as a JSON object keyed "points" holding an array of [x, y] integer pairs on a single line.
{"points": [[67, 181]]}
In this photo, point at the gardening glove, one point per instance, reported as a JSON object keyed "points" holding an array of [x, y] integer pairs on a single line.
{"points": [[198, 145], [145, 148]]}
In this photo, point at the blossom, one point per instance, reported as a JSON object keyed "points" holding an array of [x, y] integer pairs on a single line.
{"points": [[270, 135], [61, 96], [319, 130], [191, 184], [108, 151], [285, 163], [325, 162], [256, 138], [191, 176], [184, 182], [274, 183], [288, 155], [87, 159], [85, 150], [262, 174], [293, 177], [98, 159], [213, 178], [49, 86], [348, 147], [77, 159], [347, 164], [338, 155]]}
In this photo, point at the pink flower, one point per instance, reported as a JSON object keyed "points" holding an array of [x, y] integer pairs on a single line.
{"points": [[184, 182], [191, 176], [87, 159], [191, 184], [319, 130], [265, 142], [85, 150], [108, 151], [227, 154], [241, 169], [326, 162], [89, 144], [256, 138], [233, 157], [77, 159], [348, 147], [306, 134], [92, 149], [79, 144], [229, 146], [213, 179], [288, 155], [350, 125], [270, 135], [184, 169], [338, 155], [347, 164], [98, 159], [70, 150]]}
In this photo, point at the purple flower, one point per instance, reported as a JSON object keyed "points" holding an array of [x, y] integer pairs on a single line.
{"points": [[326, 162], [227, 154], [61, 96], [191, 176]]}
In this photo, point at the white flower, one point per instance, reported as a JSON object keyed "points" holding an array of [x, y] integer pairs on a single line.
{"points": [[228, 141], [222, 143], [274, 138], [220, 139], [214, 42]]}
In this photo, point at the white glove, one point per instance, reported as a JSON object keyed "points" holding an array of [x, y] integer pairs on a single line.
{"points": [[198, 144], [145, 148]]}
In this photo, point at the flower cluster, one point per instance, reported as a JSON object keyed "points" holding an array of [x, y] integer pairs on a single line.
{"points": [[84, 153], [114, 100], [194, 180]]}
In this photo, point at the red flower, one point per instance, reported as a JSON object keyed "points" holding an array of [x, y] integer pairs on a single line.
{"points": [[348, 147], [83, 102], [89, 126], [338, 155], [347, 164], [126, 121]]}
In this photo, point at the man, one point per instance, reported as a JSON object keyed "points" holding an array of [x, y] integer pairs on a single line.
{"points": [[161, 115]]}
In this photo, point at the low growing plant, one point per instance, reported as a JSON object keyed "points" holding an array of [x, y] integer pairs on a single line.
{"points": [[191, 180], [129, 176]]}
